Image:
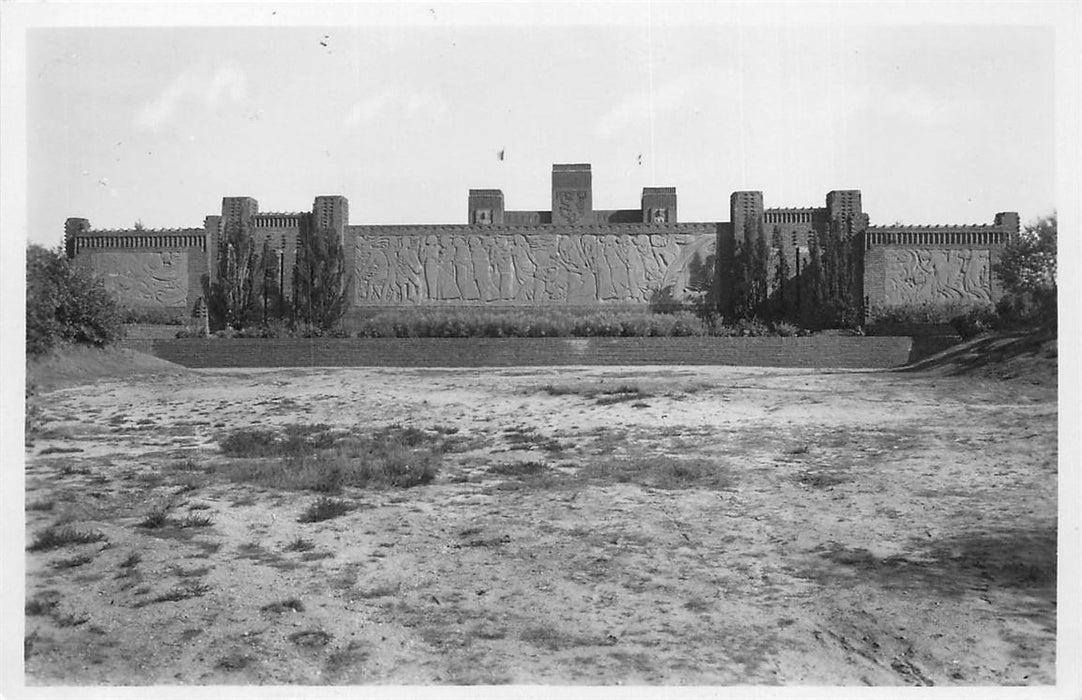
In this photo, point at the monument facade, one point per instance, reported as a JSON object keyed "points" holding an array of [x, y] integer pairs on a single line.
{"points": [[571, 255]]}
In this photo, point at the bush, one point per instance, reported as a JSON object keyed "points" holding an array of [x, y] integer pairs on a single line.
{"points": [[974, 321], [927, 313], [1027, 268], [324, 509], [159, 317], [65, 302]]}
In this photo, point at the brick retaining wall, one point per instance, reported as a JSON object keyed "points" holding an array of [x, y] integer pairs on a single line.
{"points": [[827, 351]]}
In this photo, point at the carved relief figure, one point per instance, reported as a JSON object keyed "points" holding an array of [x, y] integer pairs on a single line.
{"points": [[928, 275], [482, 273], [540, 268], [145, 279], [464, 272], [581, 281], [430, 261], [409, 270], [448, 288], [505, 271], [524, 268]]}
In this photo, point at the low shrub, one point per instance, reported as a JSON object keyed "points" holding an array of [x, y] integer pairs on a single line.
{"points": [[157, 317], [975, 321], [62, 536], [533, 323], [324, 508], [924, 313], [317, 459]]}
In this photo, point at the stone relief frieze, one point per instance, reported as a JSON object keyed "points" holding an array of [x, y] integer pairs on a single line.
{"points": [[145, 279], [919, 275], [519, 269]]}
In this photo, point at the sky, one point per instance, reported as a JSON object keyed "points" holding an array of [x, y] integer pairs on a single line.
{"points": [[935, 123]]}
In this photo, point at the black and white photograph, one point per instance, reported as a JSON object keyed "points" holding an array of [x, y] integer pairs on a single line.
{"points": [[634, 349]]}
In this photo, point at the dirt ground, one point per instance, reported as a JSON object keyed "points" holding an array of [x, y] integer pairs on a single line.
{"points": [[706, 525]]}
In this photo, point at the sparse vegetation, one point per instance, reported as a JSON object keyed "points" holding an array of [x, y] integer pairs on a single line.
{"points": [[72, 562], [324, 508], [317, 459], [182, 592], [63, 536], [283, 606], [300, 544], [43, 604], [661, 472], [310, 638], [518, 468]]}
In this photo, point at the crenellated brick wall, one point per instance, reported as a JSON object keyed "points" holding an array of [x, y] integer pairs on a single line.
{"points": [[571, 256]]}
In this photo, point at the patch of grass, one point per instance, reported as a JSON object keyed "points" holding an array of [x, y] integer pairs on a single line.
{"points": [[207, 547], [73, 562], [133, 559], [384, 591], [156, 518], [71, 619], [343, 659], [197, 572], [60, 450], [621, 395], [181, 592], [43, 603], [311, 638], [284, 606], [234, 661], [193, 520], [300, 544], [552, 639], [256, 552], [822, 479], [661, 472], [697, 605], [518, 469], [293, 440], [62, 536], [188, 464], [525, 438], [393, 457], [325, 508]]}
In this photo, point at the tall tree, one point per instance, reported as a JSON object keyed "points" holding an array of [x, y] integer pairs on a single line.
{"points": [[232, 298], [321, 284]]}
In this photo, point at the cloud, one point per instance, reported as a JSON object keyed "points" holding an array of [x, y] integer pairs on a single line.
{"points": [[228, 80], [398, 104], [685, 93], [917, 104], [187, 90]]}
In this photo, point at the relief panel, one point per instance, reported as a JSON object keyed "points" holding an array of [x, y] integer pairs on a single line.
{"points": [[512, 269], [144, 279], [920, 275]]}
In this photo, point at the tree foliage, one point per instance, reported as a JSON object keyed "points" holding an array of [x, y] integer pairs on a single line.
{"points": [[831, 277], [65, 302], [1028, 262], [231, 298], [1027, 269], [321, 285], [751, 272]]}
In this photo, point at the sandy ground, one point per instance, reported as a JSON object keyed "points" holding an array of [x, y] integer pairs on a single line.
{"points": [[859, 528]]}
